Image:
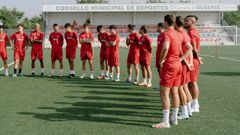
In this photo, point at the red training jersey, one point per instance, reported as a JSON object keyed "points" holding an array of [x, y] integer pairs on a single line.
{"points": [[145, 46], [3, 41], [195, 37], [20, 39], [113, 50], [56, 40], [86, 46], [102, 37], [36, 35], [133, 40], [174, 51], [71, 39]]}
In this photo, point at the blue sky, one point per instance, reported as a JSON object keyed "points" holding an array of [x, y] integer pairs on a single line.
{"points": [[32, 7]]}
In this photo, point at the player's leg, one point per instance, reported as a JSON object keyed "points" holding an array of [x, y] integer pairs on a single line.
{"points": [[175, 105], [61, 68], [195, 94], [164, 94], [16, 66], [136, 67], [189, 99], [60, 59], [149, 76], [91, 68], [107, 68], [83, 69], [33, 66], [20, 67], [144, 74], [53, 68], [71, 66], [33, 58], [102, 68], [5, 65], [117, 73], [53, 61], [40, 57], [129, 71], [183, 104], [110, 77], [42, 66]]}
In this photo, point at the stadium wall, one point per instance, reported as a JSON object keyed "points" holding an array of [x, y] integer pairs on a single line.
{"points": [[138, 14]]}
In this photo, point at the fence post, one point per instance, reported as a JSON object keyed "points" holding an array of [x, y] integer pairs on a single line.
{"points": [[236, 38]]}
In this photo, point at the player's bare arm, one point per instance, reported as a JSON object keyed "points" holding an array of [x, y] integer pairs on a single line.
{"points": [[164, 52], [188, 52], [11, 43]]}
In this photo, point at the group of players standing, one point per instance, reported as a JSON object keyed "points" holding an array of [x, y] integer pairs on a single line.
{"points": [[177, 58]]}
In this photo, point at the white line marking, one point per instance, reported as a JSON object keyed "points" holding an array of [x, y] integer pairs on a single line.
{"points": [[1, 69], [223, 58]]}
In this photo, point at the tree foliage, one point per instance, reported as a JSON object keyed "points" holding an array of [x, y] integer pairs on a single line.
{"points": [[233, 18], [10, 18]]}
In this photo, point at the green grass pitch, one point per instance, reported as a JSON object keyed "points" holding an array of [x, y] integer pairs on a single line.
{"points": [[54, 106]]}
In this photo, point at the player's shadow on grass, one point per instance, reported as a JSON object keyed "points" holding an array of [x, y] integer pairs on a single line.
{"points": [[101, 101], [221, 73], [99, 113]]}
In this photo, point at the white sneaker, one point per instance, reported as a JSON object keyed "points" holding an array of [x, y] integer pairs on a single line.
{"points": [[91, 77], [14, 75], [60, 74], [82, 77], [51, 75], [149, 85], [161, 125], [173, 121], [6, 74], [109, 78], [135, 81], [182, 117], [142, 84], [190, 114], [195, 110], [128, 81], [117, 80]]}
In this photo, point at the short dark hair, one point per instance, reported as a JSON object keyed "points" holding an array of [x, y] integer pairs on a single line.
{"points": [[20, 25], [194, 16], [131, 26], [143, 28], [55, 24], [1, 26], [179, 21], [170, 19], [160, 25], [99, 27], [86, 25], [67, 25], [112, 27]]}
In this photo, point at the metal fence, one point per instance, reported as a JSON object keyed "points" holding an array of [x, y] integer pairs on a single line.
{"points": [[210, 36], [238, 35]]}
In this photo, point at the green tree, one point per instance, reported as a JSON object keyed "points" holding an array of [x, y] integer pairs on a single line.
{"points": [[29, 23], [233, 18], [91, 1], [10, 17]]}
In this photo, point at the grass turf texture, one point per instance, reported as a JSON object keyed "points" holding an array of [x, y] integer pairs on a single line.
{"points": [[54, 106]]}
